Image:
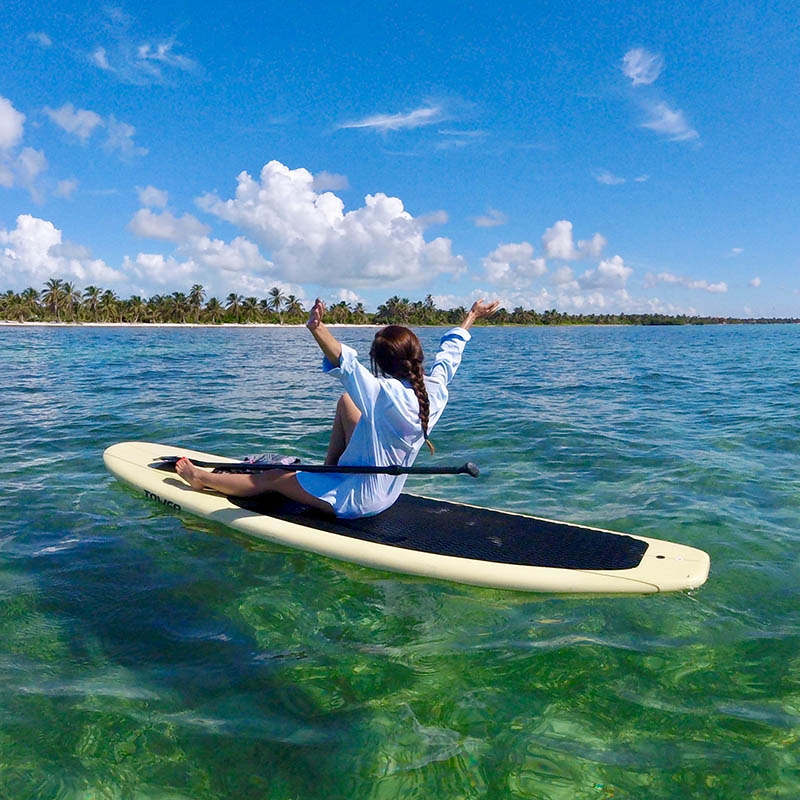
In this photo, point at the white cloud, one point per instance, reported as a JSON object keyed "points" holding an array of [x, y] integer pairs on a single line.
{"points": [[687, 283], [240, 255], [137, 61], [491, 219], [40, 38], [310, 238], [330, 182], [150, 225], [564, 277], [439, 217], [155, 268], [151, 197], [642, 178], [34, 251], [66, 188], [606, 177], [428, 115], [755, 283], [558, 243], [735, 251], [513, 265], [670, 123], [29, 165], [6, 176], [120, 137], [163, 55], [12, 123], [642, 66], [99, 58], [610, 273], [80, 122], [349, 296]]}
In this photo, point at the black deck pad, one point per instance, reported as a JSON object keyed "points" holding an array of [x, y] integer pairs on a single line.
{"points": [[451, 529]]}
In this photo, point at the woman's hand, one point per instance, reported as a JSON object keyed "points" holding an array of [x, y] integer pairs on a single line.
{"points": [[328, 343], [479, 309], [315, 316]]}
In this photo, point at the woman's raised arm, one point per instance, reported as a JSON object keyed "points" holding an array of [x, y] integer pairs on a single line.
{"points": [[328, 343], [479, 309]]}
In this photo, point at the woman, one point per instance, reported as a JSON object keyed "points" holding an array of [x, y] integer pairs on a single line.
{"points": [[382, 419]]}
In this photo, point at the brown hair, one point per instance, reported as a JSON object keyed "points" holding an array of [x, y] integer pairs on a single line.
{"points": [[396, 352]]}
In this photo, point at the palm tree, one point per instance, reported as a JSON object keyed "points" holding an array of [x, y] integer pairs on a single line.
{"points": [[196, 297], [71, 299], [250, 309], [91, 301], [30, 303], [233, 303], [52, 297], [179, 306], [294, 308], [134, 306], [214, 311], [359, 314], [276, 300], [340, 312], [109, 306]]}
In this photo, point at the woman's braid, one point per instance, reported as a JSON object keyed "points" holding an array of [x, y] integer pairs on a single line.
{"points": [[416, 377]]}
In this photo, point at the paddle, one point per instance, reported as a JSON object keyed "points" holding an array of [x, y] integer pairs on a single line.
{"points": [[465, 469]]}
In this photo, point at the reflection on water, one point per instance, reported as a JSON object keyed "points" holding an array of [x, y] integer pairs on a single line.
{"points": [[147, 655]]}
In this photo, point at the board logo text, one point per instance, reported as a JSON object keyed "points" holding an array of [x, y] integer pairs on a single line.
{"points": [[168, 503]]}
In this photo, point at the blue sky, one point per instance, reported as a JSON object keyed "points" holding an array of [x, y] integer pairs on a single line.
{"points": [[583, 156]]}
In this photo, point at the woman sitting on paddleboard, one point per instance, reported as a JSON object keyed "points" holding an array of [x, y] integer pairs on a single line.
{"points": [[381, 419]]}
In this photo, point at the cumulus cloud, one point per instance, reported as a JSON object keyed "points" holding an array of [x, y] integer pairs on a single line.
{"points": [[151, 197], [606, 177], [670, 123], [35, 251], [240, 255], [610, 273], [12, 123], [40, 38], [311, 238], [642, 66], [150, 225], [330, 182], [513, 265], [491, 219], [687, 283], [558, 243], [427, 115], [755, 283], [99, 59], [155, 268], [79, 122]]}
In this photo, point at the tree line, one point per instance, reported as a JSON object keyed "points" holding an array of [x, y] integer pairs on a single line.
{"points": [[62, 301]]}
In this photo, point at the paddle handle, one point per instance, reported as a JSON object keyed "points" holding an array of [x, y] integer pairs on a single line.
{"points": [[395, 469]]}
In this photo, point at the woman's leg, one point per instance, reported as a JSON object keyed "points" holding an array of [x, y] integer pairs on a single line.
{"points": [[344, 423], [285, 483]]}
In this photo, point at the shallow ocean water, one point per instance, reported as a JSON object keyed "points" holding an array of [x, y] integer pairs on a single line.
{"points": [[149, 655]]}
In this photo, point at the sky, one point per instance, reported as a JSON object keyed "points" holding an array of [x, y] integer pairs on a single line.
{"points": [[589, 157]]}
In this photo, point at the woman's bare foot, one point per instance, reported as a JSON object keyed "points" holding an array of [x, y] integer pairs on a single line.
{"points": [[190, 473]]}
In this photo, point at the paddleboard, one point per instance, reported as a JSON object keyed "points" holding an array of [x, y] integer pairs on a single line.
{"points": [[432, 538]]}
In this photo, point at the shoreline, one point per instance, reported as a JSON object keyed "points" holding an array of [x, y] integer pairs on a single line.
{"points": [[11, 323]]}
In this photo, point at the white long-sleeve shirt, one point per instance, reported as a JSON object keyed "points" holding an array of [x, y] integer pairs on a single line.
{"points": [[389, 431]]}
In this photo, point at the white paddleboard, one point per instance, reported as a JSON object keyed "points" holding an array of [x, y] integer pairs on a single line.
{"points": [[432, 538]]}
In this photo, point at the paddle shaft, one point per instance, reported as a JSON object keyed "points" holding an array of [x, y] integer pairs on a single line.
{"points": [[465, 469]]}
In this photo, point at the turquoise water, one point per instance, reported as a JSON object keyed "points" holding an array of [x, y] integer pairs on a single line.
{"points": [[148, 655]]}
